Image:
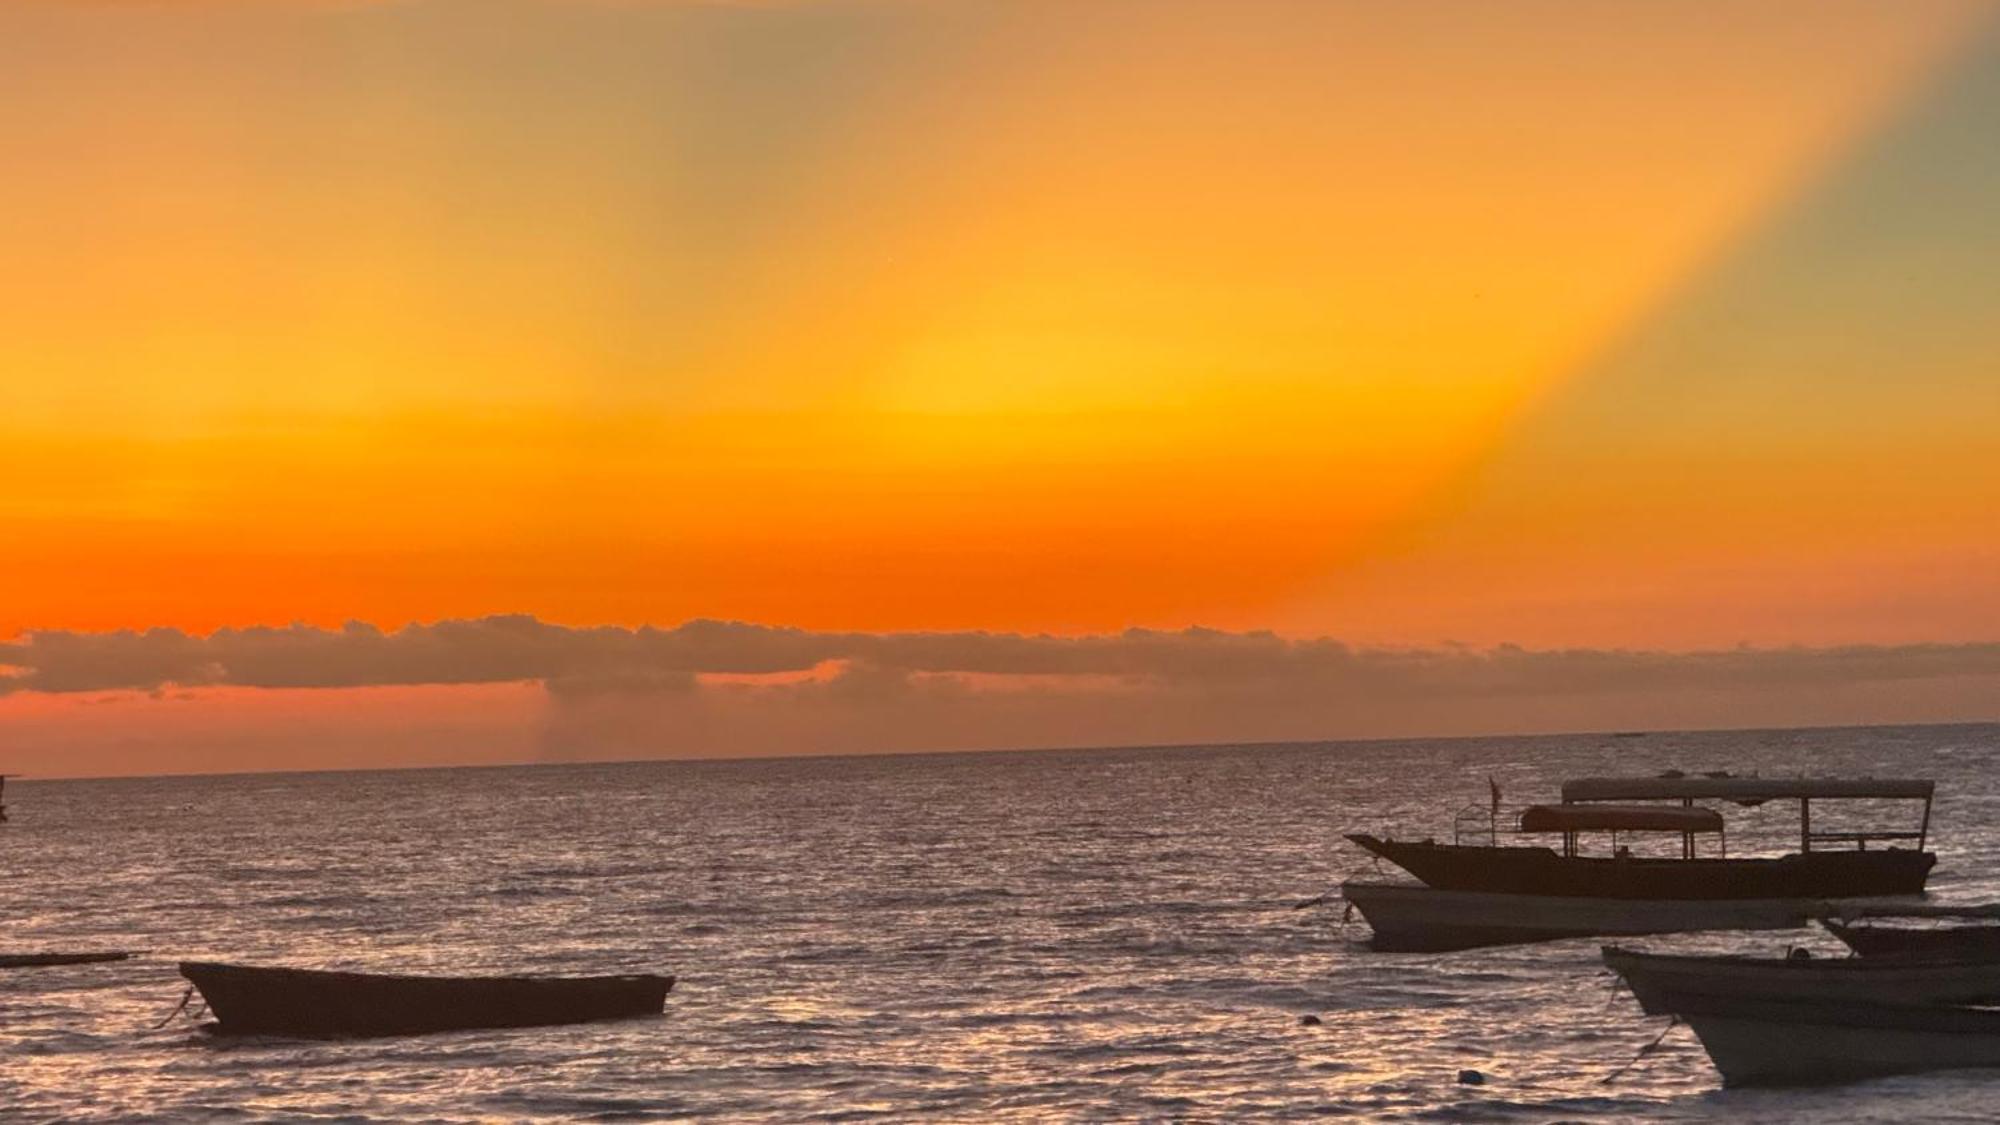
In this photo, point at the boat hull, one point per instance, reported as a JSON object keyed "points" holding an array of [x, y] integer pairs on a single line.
{"points": [[1410, 918], [1656, 978], [1543, 871], [1761, 1041], [305, 1002], [1898, 941], [36, 960]]}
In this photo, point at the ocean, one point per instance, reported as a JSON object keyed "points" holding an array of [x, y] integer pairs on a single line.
{"points": [[1110, 934]]}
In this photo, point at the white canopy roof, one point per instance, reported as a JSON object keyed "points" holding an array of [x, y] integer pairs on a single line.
{"points": [[1740, 788], [1618, 818]]}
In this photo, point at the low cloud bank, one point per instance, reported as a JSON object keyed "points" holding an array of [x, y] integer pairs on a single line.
{"points": [[574, 661], [505, 689]]}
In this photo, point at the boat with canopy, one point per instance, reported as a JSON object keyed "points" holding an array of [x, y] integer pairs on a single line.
{"points": [[1488, 892]]}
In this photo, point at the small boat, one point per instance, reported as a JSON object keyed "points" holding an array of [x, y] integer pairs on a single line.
{"points": [[35, 960], [1656, 978], [316, 1003], [1775, 1041], [1486, 892], [1979, 936]]}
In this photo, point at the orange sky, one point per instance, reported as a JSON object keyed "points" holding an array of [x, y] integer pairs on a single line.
{"points": [[876, 316]]}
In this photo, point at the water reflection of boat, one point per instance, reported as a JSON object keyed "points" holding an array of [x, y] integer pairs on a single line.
{"points": [[308, 1002], [1486, 893]]}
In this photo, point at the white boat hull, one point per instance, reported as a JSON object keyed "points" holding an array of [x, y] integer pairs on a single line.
{"points": [[1655, 978], [1417, 918]]}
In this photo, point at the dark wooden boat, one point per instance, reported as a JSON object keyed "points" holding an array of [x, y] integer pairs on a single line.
{"points": [[1844, 872], [1907, 942], [1489, 893], [33, 960], [1903, 932], [1773, 1041], [1655, 978], [316, 1003]]}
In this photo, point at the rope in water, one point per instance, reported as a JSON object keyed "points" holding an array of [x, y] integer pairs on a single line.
{"points": [[178, 1008], [1643, 1052]]}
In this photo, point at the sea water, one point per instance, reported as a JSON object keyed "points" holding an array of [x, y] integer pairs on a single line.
{"points": [[1046, 935]]}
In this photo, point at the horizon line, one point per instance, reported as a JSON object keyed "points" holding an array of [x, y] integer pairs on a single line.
{"points": [[871, 755]]}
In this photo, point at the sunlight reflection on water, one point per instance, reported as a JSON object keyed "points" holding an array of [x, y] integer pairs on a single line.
{"points": [[979, 936]]}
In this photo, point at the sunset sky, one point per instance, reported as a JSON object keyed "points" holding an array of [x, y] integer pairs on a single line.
{"points": [[1416, 328]]}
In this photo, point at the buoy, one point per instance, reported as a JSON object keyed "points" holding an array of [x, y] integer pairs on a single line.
{"points": [[1471, 1078], [1309, 1021]]}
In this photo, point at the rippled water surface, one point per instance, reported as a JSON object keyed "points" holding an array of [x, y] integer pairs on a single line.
{"points": [[1089, 934]]}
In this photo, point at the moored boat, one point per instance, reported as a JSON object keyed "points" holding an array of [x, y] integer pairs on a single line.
{"points": [[36, 960], [1541, 870], [1918, 930], [1656, 978], [311, 1002], [1766, 1040], [1490, 892]]}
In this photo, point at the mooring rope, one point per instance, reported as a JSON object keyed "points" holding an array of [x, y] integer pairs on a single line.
{"points": [[1617, 988], [1643, 1052], [185, 997]]}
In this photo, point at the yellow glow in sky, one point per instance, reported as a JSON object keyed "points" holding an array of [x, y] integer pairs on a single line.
{"points": [[1042, 316]]}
